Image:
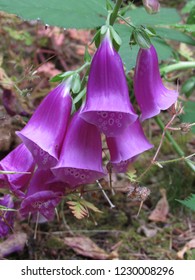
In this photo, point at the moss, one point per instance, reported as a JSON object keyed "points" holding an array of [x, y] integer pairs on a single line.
{"points": [[54, 243]]}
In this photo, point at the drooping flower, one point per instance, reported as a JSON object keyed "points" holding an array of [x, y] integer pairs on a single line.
{"points": [[81, 156], [151, 6], [151, 95], [124, 148], [6, 217], [43, 195], [44, 133], [19, 160], [107, 100]]}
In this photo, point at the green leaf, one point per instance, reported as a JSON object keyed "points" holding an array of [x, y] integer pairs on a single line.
{"points": [[190, 28], [87, 57], [187, 8], [166, 16], [129, 53], [189, 202], [79, 96], [172, 34], [115, 36], [62, 13], [188, 87], [189, 113], [62, 76], [191, 17], [76, 83], [142, 38], [90, 205]]}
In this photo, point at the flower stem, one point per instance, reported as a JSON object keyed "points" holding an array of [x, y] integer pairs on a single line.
{"points": [[115, 11], [176, 147], [182, 65]]}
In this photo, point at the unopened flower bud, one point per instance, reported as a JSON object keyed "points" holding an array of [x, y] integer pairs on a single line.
{"points": [[151, 6]]}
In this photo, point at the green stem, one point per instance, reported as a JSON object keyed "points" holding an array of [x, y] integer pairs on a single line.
{"points": [[176, 147], [115, 11], [127, 22], [177, 66], [176, 159]]}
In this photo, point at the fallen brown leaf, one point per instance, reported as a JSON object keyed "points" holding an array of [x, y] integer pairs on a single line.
{"points": [[148, 232], [189, 245], [159, 214], [86, 247], [14, 243]]}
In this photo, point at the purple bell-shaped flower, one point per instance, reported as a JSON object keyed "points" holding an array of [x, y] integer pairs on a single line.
{"points": [[19, 160], [81, 156], [44, 194], [107, 100], [150, 93], [44, 133], [124, 148], [6, 217]]}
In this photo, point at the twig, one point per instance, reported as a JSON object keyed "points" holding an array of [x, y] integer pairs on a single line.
{"points": [[105, 195]]}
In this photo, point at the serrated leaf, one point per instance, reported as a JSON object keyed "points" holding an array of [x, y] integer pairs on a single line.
{"points": [[62, 13], [90, 205], [77, 209], [132, 174], [189, 202]]}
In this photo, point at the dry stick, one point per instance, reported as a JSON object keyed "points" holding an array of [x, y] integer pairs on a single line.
{"points": [[153, 161], [36, 226], [162, 138], [105, 195]]}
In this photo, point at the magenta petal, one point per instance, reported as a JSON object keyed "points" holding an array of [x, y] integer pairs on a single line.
{"points": [[43, 195], [128, 145], [81, 157], [107, 100], [7, 221], [44, 133], [150, 92], [19, 160]]}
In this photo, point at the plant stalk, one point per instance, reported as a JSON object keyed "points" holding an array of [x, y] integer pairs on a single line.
{"points": [[115, 11], [177, 66], [174, 144]]}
